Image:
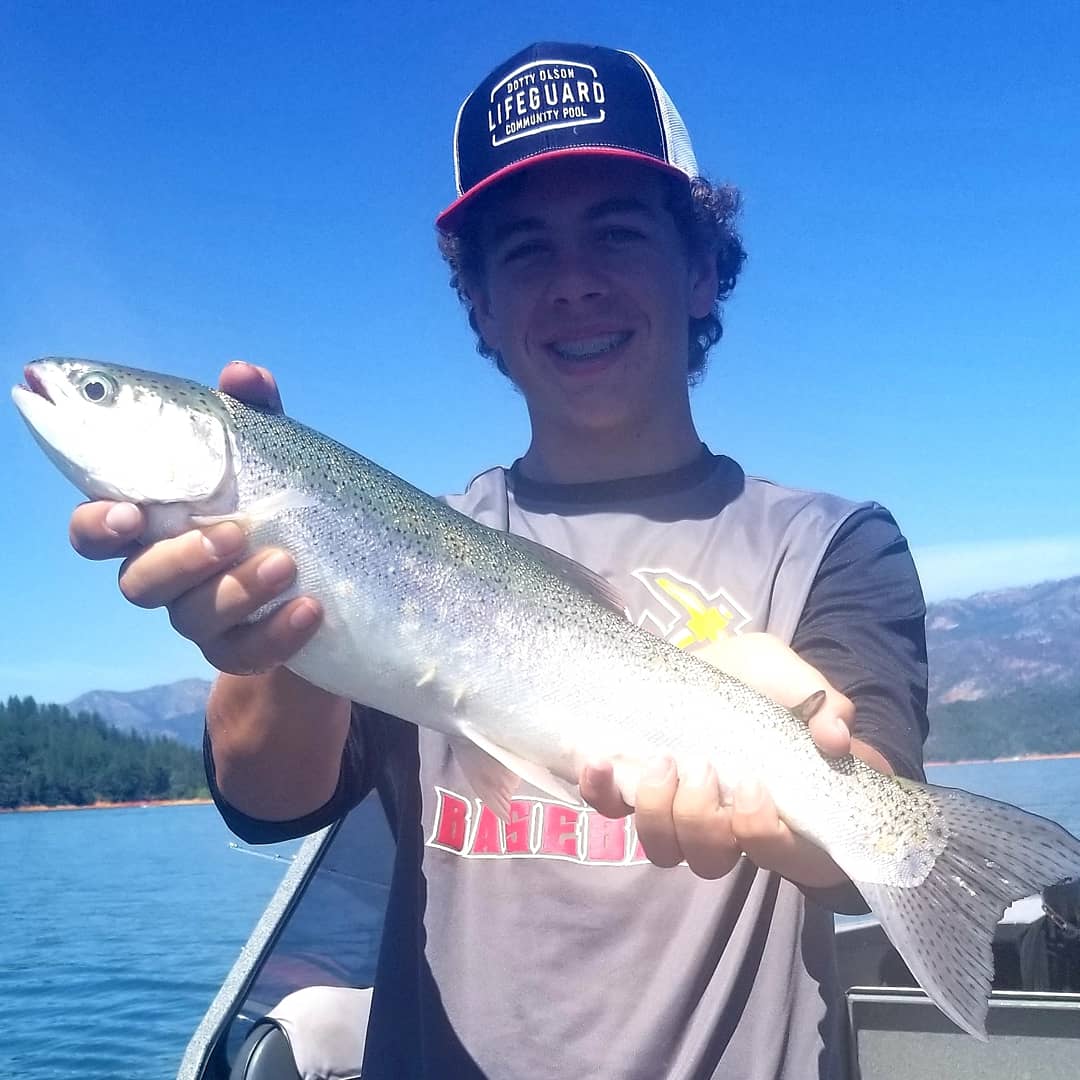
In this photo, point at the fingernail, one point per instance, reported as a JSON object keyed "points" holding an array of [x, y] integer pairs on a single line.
{"points": [[748, 797], [596, 770], [275, 570], [828, 727], [658, 770], [123, 518], [304, 617], [223, 540]]}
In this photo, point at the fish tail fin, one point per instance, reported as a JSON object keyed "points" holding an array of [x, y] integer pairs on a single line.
{"points": [[943, 927]]}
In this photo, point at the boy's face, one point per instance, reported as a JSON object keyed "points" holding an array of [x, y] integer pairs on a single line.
{"points": [[587, 293]]}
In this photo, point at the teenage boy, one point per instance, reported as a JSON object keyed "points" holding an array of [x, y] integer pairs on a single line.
{"points": [[695, 938]]}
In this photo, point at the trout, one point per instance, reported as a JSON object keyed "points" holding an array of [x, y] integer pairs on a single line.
{"points": [[526, 660]]}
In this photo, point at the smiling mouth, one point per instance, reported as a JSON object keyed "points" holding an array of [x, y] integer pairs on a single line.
{"points": [[592, 348], [35, 385]]}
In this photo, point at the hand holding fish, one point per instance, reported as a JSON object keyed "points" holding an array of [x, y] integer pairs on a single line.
{"points": [[266, 763], [687, 818]]}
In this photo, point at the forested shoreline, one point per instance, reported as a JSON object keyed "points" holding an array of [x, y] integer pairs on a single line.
{"points": [[1030, 722], [50, 756]]}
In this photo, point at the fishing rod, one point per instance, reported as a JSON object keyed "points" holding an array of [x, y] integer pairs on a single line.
{"points": [[275, 857]]}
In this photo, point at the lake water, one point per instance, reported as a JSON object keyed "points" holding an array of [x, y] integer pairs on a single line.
{"points": [[119, 925]]}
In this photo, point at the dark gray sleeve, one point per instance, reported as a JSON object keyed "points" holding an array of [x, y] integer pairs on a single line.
{"points": [[863, 627], [359, 763]]}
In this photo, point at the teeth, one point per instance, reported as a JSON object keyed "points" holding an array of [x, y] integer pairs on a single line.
{"points": [[588, 347]]}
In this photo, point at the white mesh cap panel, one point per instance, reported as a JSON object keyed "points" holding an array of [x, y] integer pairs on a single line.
{"points": [[456, 146], [680, 153]]}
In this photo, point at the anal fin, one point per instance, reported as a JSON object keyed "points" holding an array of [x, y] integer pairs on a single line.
{"points": [[494, 773], [261, 510]]}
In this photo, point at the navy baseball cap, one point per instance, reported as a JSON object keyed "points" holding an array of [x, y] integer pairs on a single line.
{"points": [[555, 100]]}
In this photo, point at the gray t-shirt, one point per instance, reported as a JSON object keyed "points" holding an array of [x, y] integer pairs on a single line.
{"points": [[549, 946]]}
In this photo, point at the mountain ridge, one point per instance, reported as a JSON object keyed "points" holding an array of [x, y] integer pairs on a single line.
{"points": [[174, 710], [997, 642]]}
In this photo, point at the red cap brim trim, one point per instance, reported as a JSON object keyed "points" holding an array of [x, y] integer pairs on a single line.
{"points": [[447, 220]]}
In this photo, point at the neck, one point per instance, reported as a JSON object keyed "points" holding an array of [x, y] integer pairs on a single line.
{"points": [[582, 457]]}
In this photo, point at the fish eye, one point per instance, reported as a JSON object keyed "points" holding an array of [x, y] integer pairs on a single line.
{"points": [[97, 388]]}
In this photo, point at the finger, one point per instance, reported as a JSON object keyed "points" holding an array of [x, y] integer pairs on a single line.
{"points": [[836, 704], [873, 757], [222, 602], [764, 662], [830, 734], [159, 574], [273, 394], [252, 384], [106, 530], [258, 647], [703, 824], [598, 789], [655, 825], [768, 842]]}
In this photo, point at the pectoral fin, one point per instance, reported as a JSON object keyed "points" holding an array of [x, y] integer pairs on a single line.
{"points": [[494, 773], [261, 510]]}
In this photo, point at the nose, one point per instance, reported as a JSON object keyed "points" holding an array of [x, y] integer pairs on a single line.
{"points": [[575, 277]]}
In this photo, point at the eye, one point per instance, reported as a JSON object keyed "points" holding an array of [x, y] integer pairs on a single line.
{"points": [[620, 234], [98, 388], [523, 251]]}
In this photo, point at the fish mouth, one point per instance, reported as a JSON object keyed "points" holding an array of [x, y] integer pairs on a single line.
{"points": [[35, 384]]}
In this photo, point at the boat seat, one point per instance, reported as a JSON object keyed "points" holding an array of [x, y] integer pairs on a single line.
{"points": [[265, 1055], [316, 1033], [900, 1034]]}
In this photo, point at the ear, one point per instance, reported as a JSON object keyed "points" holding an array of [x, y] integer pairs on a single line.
{"points": [[703, 283], [480, 299]]}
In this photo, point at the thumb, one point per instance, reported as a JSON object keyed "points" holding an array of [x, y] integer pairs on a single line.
{"points": [[830, 733], [251, 384]]}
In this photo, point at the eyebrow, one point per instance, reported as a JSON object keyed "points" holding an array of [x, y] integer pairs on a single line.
{"points": [[507, 229], [615, 205], [619, 205]]}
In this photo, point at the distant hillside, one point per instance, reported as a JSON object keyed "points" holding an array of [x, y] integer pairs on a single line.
{"points": [[1031, 720], [995, 643], [174, 710]]}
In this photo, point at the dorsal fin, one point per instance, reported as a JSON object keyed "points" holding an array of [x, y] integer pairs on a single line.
{"points": [[580, 577]]}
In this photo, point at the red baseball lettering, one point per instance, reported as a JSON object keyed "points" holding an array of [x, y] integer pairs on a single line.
{"points": [[451, 821], [606, 838], [488, 840], [517, 828], [561, 830]]}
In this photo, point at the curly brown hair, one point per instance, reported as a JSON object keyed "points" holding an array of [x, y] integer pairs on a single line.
{"points": [[705, 215]]}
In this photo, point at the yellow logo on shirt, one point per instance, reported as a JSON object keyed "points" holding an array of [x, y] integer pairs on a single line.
{"points": [[691, 617]]}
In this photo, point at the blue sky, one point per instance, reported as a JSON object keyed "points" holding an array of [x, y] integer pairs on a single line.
{"points": [[181, 185]]}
